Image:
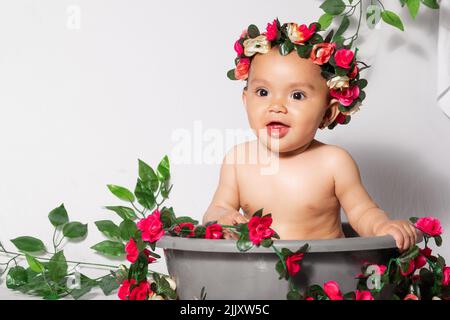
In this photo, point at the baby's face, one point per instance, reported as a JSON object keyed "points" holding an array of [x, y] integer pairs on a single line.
{"points": [[287, 100]]}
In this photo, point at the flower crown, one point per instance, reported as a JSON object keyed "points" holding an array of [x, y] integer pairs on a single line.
{"points": [[336, 59]]}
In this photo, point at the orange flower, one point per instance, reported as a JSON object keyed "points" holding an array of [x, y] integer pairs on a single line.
{"points": [[299, 34], [322, 52], [241, 71]]}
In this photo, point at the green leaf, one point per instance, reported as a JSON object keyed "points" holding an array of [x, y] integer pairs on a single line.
{"points": [[362, 83], [253, 31], [438, 240], [333, 7], [413, 7], [373, 15], [325, 21], [433, 4], [110, 248], [108, 284], [121, 192], [147, 174], [393, 19], [411, 254], [125, 213], [304, 51], [86, 284], [74, 230], [28, 244], [57, 267], [108, 228], [34, 264], [286, 47], [167, 217], [293, 295], [186, 219], [266, 243], [343, 27], [163, 170], [244, 244], [127, 229], [413, 219], [281, 270], [230, 74], [144, 195], [58, 216], [16, 277]]}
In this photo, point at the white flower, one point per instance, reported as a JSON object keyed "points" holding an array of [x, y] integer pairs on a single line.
{"points": [[338, 82], [260, 44]]}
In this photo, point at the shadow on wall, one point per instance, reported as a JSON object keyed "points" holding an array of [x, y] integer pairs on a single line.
{"points": [[401, 183]]}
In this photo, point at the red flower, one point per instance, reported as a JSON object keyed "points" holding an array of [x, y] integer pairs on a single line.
{"points": [[446, 276], [425, 252], [363, 295], [132, 251], [341, 118], [139, 292], [346, 95], [309, 298], [411, 268], [259, 229], [306, 32], [271, 30], [292, 263], [354, 72], [321, 52], [151, 227], [343, 58], [420, 261], [429, 225], [411, 297], [183, 225], [332, 290], [241, 71], [149, 258], [214, 231]]}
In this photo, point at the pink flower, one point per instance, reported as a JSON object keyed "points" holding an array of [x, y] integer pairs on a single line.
{"points": [[363, 295], [429, 225], [343, 58], [446, 276], [332, 290], [292, 263], [346, 95], [184, 225], [309, 298], [132, 251], [241, 71], [238, 48], [151, 227], [321, 52], [271, 30], [214, 231], [306, 32], [411, 297], [259, 229], [411, 268]]}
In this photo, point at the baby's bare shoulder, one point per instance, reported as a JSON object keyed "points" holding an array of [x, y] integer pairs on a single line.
{"points": [[333, 156]]}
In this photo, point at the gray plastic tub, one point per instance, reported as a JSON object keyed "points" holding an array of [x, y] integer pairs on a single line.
{"points": [[228, 274]]}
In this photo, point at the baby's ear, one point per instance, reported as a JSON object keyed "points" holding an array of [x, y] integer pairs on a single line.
{"points": [[244, 96], [331, 113]]}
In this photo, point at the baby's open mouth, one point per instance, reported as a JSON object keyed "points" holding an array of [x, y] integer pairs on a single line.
{"points": [[277, 129]]}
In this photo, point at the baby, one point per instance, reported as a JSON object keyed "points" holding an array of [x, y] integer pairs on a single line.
{"points": [[287, 99]]}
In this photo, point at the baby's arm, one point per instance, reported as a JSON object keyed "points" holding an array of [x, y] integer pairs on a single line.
{"points": [[224, 207], [362, 212]]}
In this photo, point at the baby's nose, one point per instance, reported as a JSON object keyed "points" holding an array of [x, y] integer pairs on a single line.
{"points": [[277, 107]]}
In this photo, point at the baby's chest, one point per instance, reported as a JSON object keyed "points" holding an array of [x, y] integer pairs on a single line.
{"points": [[296, 188]]}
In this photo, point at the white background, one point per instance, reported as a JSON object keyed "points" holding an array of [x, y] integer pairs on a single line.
{"points": [[79, 107]]}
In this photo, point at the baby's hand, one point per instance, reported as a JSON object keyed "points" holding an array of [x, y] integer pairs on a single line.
{"points": [[231, 218], [403, 231]]}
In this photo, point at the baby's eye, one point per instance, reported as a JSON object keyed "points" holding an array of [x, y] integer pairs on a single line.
{"points": [[263, 92], [298, 95]]}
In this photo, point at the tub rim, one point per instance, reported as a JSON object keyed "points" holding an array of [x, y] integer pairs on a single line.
{"points": [[327, 245]]}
